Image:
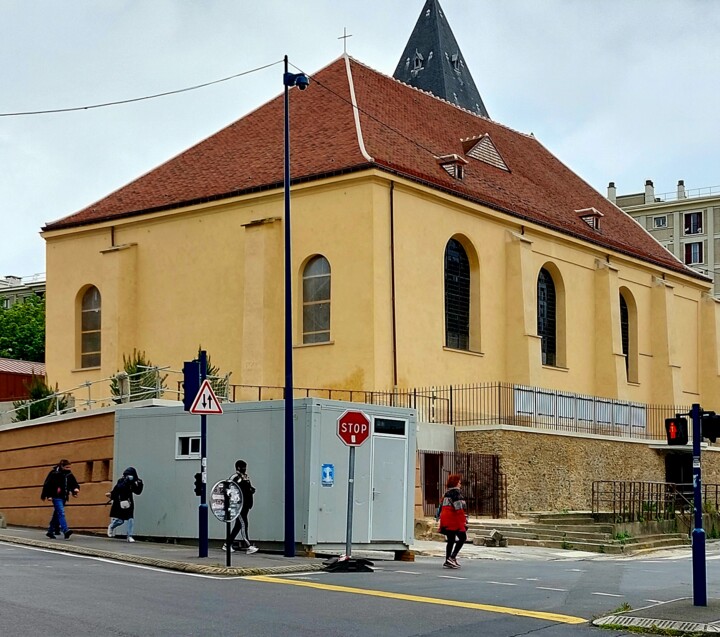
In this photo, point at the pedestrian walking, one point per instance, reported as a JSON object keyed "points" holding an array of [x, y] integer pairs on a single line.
{"points": [[122, 508], [453, 520], [58, 486], [241, 478]]}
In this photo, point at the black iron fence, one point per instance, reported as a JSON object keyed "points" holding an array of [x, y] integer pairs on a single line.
{"points": [[502, 403], [636, 501], [483, 485]]}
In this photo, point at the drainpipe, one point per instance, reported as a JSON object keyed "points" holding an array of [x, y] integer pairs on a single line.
{"points": [[392, 283]]}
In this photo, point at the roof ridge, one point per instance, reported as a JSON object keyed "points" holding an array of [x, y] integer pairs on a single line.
{"points": [[443, 100]]}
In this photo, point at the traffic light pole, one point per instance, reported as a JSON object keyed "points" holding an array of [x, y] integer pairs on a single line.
{"points": [[203, 508], [698, 533]]}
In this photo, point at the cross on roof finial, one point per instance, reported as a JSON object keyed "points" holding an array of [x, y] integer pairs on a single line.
{"points": [[344, 38]]}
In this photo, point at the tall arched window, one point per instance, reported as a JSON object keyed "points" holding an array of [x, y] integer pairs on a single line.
{"points": [[90, 323], [625, 332], [316, 301], [629, 334], [546, 317], [457, 296]]}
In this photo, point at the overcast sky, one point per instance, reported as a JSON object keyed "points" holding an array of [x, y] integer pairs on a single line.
{"points": [[619, 90]]}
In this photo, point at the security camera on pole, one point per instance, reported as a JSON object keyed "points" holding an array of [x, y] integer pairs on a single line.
{"points": [[353, 429]]}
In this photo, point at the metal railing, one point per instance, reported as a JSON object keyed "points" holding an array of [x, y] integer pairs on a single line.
{"points": [[458, 405], [122, 388], [636, 501], [690, 193]]}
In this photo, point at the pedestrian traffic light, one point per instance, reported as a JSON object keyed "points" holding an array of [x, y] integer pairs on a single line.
{"points": [[676, 430], [198, 484], [710, 425], [191, 383]]}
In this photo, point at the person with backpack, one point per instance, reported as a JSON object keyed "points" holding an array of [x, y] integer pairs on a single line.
{"points": [[58, 486], [241, 478], [453, 520], [122, 507]]}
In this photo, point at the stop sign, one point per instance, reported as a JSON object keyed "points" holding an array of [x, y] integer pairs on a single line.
{"points": [[353, 428]]}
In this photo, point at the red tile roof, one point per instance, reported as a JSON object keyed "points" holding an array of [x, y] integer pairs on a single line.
{"points": [[404, 131], [13, 366]]}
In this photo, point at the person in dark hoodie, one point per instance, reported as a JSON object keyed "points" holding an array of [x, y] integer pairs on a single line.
{"points": [[241, 478], [122, 507], [58, 486]]}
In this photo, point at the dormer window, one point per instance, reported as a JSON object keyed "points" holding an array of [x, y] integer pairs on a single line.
{"points": [[590, 216], [418, 61], [454, 165], [483, 149], [455, 61]]}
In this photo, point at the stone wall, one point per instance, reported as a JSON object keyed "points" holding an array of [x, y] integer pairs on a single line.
{"points": [[555, 471]]}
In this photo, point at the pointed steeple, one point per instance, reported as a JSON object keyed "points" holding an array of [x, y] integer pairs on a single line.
{"points": [[432, 61]]}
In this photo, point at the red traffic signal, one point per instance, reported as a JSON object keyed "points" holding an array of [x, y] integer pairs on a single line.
{"points": [[676, 430]]}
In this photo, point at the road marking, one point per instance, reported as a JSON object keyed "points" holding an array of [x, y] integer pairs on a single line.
{"points": [[501, 583], [607, 594], [451, 577], [547, 588], [505, 610], [654, 601], [409, 572], [529, 579]]}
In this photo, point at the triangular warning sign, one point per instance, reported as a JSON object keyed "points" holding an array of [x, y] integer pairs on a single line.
{"points": [[206, 401]]}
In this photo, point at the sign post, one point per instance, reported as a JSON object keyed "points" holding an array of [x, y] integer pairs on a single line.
{"points": [[698, 533], [225, 502], [205, 403], [353, 429]]}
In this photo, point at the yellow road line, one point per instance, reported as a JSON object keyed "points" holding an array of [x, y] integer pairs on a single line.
{"points": [[506, 610]]}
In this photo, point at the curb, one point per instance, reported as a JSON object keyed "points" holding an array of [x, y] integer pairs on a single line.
{"points": [[624, 621], [185, 567]]}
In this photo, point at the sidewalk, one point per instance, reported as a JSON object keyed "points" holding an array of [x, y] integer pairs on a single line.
{"points": [[678, 614]]}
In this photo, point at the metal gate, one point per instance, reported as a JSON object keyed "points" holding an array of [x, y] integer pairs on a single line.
{"points": [[484, 486]]}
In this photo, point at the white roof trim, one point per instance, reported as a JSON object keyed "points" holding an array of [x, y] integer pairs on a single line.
{"points": [[356, 112]]}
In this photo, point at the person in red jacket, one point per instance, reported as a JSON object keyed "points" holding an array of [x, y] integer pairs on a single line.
{"points": [[453, 520]]}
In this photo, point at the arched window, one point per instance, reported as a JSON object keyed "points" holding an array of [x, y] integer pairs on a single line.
{"points": [[546, 317], [629, 334], [625, 332], [316, 301], [457, 296], [90, 323]]}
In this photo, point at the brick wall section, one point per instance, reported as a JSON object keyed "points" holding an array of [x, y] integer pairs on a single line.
{"points": [[28, 452], [551, 472]]}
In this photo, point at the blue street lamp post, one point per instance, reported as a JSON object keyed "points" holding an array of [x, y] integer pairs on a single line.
{"points": [[301, 81]]}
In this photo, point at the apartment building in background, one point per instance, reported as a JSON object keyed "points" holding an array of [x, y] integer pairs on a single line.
{"points": [[15, 288], [685, 221]]}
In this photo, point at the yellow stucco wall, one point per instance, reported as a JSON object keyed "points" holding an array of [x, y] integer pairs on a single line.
{"points": [[212, 275]]}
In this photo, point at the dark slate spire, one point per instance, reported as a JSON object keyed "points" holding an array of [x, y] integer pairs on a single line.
{"points": [[432, 61]]}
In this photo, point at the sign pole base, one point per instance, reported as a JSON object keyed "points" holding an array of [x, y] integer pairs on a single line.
{"points": [[346, 564]]}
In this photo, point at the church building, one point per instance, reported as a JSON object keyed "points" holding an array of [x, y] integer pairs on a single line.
{"points": [[431, 246]]}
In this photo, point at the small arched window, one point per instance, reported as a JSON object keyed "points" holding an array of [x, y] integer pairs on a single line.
{"points": [[457, 296], [546, 317], [316, 301], [90, 324]]}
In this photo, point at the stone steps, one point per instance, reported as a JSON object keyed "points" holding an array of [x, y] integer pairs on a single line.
{"points": [[576, 531], [558, 530]]}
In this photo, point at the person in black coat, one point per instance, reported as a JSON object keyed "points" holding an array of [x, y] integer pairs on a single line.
{"points": [[58, 486], [242, 479], [122, 507]]}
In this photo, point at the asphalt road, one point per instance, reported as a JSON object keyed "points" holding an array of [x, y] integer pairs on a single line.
{"points": [[49, 593]]}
